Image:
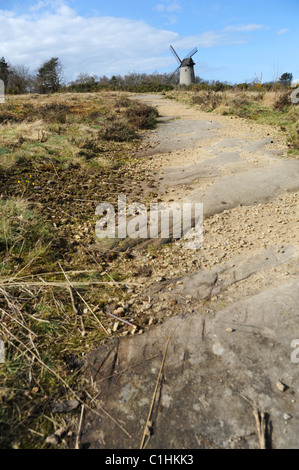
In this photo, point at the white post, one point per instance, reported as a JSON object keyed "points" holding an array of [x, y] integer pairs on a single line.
{"points": [[2, 92]]}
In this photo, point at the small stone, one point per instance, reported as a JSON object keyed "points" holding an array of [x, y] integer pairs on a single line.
{"points": [[281, 386], [230, 330], [65, 406], [119, 311], [115, 326], [287, 417]]}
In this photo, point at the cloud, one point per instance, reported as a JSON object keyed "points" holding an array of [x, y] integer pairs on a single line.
{"points": [[101, 45], [168, 6], [283, 31], [246, 28]]}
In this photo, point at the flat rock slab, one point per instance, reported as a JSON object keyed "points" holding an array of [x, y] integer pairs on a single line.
{"points": [[250, 187], [206, 283], [206, 168], [179, 134], [217, 369]]}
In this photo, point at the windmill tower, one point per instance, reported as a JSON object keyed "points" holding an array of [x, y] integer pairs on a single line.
{"points": [[186, 65]]}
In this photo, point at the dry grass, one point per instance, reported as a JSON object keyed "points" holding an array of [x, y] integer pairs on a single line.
{"points": [[55, 167]]}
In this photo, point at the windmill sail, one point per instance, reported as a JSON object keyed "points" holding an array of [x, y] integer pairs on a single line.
{"points": [[186, 65], [191, 53], [175, 55]]}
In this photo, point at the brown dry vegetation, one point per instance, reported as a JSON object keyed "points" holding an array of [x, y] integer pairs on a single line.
{"points": [[60, 155]]}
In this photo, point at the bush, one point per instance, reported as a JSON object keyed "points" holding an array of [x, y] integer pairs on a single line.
{"points": [[118, 131], [208, 100], [141, 116], [282, 101], [53, 112]]}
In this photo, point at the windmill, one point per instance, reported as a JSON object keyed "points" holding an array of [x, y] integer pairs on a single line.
{"points": [[186, 65]]}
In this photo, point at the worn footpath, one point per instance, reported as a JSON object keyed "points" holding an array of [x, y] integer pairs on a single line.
{"points": [[220, 370]]}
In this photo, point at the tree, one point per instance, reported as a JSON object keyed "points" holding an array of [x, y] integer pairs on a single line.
{"points": [[20, 80], [4, 71], [49, 76], [286, 79], [85, 79]]}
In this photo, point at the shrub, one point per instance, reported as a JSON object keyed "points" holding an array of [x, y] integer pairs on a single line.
{"points": [[123, 102], [141, 116], [118, 131], [282, 101], [208, 100], [53, 112]]}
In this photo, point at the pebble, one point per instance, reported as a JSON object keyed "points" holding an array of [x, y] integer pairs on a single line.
{"points": [[287, 417], [281, 386], [119, 311]]}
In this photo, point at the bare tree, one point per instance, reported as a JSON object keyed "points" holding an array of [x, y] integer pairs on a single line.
{"points": [[20, 80]]}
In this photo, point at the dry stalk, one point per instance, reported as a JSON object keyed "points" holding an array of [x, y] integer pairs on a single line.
{"points": [[83, 300], [147, 424], [77, 445]]}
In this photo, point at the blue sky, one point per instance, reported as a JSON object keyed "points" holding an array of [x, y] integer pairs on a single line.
{"points": [[237, 40]]}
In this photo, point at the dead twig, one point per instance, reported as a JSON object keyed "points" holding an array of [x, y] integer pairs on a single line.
{"points": [[261, 427], [77, 446], [260, 421], [148, 423], [121, 319]]}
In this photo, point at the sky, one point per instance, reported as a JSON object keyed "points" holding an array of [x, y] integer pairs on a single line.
{"points": [[237, 41]]}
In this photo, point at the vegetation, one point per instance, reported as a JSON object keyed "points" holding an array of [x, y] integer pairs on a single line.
{"points": [[49, 79], [60, 155], [286, 78]]}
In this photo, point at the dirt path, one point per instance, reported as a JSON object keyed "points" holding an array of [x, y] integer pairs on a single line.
{"points": [[232, 305]]}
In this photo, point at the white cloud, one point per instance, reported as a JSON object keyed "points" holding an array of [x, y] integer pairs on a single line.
{"points": [[96, 45], [283, 31], [245, 28], [168, 6]]}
